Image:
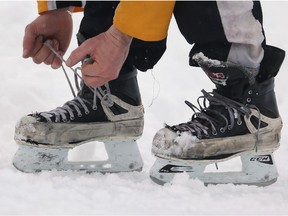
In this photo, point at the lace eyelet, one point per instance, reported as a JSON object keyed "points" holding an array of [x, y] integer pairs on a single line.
{"points": [[79, 115], [94, 108], [222, 130], [229, 127], [214, 133], [72, 118], [87, 112], [239, 122]]}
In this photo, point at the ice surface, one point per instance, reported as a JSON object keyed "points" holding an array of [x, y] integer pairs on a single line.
{"points": [[27, 87]]}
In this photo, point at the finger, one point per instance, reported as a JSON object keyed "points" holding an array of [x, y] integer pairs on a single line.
{"points": [[49, 59], [100, 70], [38, 44], [43, 53], [91, 70], [78, 54], [95, 76], [30, 40], [92, 75], [57, 62], [94, 81], [55, 45]]}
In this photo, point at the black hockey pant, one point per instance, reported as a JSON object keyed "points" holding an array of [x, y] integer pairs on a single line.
{"points": [[226, 31]]}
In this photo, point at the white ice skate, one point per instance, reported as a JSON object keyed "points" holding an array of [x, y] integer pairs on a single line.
{"points": [[122, 157], [45, 145], [257, 169], [239, 118], [183, 152], [112, 114]]}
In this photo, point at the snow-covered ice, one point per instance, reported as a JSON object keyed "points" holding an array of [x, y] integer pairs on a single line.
{"points": [[27, 87]]}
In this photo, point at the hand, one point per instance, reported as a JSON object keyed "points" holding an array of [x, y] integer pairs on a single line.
{"points": [[55, 27], [108, 51]]}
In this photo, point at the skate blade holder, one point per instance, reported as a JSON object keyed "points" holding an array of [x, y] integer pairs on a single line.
{"points": [[123, 156], [257, 169]]}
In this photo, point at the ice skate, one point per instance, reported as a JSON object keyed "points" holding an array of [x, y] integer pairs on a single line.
{"points": [[257, 169], [239, 118], [112, 114]]}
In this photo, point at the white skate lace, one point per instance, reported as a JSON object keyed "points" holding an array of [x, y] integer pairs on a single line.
{"points": [[78, 104], [235, 111]]}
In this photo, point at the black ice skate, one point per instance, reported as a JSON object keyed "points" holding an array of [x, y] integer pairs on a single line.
{"points": [[112, 114], [239, 118]]}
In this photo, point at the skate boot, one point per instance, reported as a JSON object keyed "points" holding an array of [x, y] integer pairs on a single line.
{"points": [[112, 114], [238, 118]]}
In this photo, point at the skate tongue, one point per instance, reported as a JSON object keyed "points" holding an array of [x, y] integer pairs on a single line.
{"points": [[225, 74]]}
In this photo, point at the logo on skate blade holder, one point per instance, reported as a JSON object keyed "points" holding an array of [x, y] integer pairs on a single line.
{"points": [[176, 169], [267, 159]]}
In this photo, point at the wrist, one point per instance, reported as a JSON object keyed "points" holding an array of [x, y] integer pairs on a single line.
{"points": [[123, 38], [61, 11]]}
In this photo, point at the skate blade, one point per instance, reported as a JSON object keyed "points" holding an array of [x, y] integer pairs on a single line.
{"points": [[257, 169], [122, 157]]}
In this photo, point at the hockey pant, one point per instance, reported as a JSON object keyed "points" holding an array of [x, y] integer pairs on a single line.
{"points": [[226, 31]]}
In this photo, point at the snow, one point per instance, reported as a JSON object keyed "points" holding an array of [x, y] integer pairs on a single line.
{"points": [[27, 87], [166, 142], [200, 56]]}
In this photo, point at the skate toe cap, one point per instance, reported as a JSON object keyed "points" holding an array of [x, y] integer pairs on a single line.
{"points": [[26, 120], [164, 142], [24, 127], [167, 142], [164, 138]]}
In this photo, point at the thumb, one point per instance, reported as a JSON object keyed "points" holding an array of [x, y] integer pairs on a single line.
{"points": [[77, 55]]}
